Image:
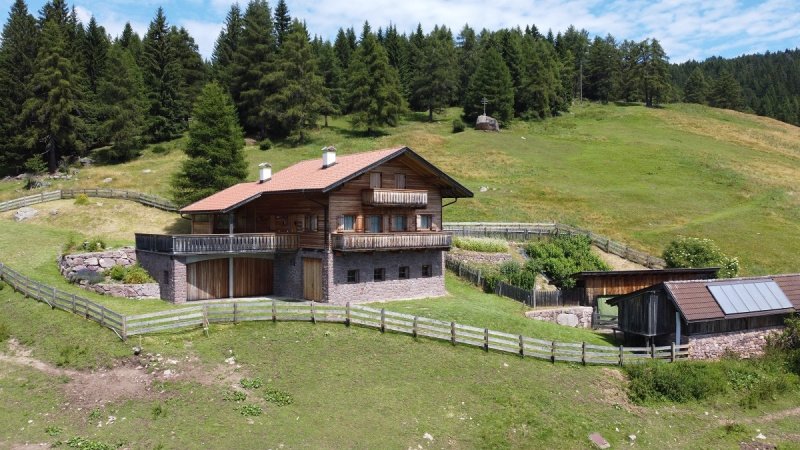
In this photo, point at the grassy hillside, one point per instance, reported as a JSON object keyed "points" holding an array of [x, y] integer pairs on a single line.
{"points": [[639, 175]]}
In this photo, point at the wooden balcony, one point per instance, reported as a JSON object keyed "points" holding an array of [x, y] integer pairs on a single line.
{"points": [[198, 244], [368, 242], [403, 198]]}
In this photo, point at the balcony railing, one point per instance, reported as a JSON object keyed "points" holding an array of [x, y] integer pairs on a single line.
{"points": [[407, 198], [363, 242], [194, 244]]}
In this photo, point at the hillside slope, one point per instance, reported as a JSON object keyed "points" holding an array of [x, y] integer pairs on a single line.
{"points": [[639, 175]]}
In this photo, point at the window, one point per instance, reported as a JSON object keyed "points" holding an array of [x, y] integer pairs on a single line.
{"points": [[374, 224], [426, 271], [375, 180], [352, 276], [348, 223], [399, 223], [400, 180], [424, 221], [379, 274], [312, 222], [403, 273]]}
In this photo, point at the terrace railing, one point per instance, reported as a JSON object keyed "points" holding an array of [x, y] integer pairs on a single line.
{"points": [[193, 244], [356, 242], [408, 198]]}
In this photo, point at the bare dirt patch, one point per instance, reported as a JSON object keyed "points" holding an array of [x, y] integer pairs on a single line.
{"points": [[616, 262], [612, 392]]}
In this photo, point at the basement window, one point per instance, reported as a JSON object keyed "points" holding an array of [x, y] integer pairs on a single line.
{"points": [[404, 273], [379, 274], [426, 271], [352, 276]]}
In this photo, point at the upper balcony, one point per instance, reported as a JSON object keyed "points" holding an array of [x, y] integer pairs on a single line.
{"points": [[199, 244], [367, 242], [404, 198]]}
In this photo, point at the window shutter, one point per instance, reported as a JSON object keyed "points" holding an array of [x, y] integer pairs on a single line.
{"points": [[339, 223], [419, 221], [375, 180], [400, 180], [360, 223]]}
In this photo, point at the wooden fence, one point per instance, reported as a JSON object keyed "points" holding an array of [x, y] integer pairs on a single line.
{"points": [[528, 231], [201, 316], [145, 199]]}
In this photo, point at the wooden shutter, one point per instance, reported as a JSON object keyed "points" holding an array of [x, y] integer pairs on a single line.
{"points": [[339, 223], [360, 223], [400, 180], [419, 221], [375, 180]]}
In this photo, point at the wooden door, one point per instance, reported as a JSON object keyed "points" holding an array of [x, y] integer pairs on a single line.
{"points": [[207, 279], [312, 279], [252, 277]]}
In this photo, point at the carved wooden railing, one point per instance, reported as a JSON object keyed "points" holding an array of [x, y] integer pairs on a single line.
{"points": [[395, 197], [390, 241], [192, 244]]}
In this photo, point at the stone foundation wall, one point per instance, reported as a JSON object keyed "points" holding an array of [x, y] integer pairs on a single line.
{"points": [[289, 272], [96, 261], [746, 344], [138, 291], [168, 271], [575, 316]]}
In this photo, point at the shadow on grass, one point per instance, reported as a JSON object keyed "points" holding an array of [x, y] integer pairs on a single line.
{"points": [[357, 134], [179, 226], [624, 104]]}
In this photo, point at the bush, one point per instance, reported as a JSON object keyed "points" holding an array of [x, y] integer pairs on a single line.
{"points": [[789, 337], [94, 245], [136, 274], [160, 150], [265, 145], [82, 200], [117, 272], [5, 332], [250, 410], [486, 245], [251, 383], [88, 444], [278, 397], [562, 256], [678, 382], [696, 252], [234, 396], [458, 126], [70, 354]]}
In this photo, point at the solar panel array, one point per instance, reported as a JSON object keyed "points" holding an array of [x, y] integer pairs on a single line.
{"points": [[748, 297]]}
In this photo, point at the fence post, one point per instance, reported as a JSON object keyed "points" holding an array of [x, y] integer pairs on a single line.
{"points": [[553, 352], [534, 296], [486, 339], [102, 315], [479, 277], [313, 316], [73, 304], [621, 354], [653, 351], [124, 328], [53, 305], [414, 327], [235, 308], [453, 333], [347, 314], [521, 346], [274, 313], [672, 352], [383, 320], [205, 319], [583, 353]]}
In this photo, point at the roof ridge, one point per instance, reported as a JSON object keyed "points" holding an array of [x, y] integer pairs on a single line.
{"points": [[726, 280]]}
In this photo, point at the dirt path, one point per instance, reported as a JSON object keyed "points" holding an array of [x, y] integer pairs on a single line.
{"points": [[616, 262]]}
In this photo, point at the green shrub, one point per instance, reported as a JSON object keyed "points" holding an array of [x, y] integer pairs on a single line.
{"points": [[82, 443], [250, 410], [458, 125], [562, 256], [677, 382], [69, 354], [53, 430], [278, 397], [251, 383], [486, 245], [266, 144], [789, 337], [160, 150], [158, 411], [136, 274], [234, 396], [696, 252], [117, 272], [94, 245], [82, 200]]}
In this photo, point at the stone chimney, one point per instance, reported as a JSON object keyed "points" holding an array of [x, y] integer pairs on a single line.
{"points": [[328, 156], [264, 172]]}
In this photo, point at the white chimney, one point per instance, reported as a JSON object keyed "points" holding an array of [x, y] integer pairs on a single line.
{"points": [[328, 156], [264, 172]]}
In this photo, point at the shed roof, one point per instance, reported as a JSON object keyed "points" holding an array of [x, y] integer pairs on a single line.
{"points": [[710, 271], [310, 176]]}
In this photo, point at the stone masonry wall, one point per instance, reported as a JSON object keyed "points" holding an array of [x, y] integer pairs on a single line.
{"points": [[289, 272], [146, 290], [169, 272], [744, 343], [393, 288], [96, 261], [576, 316]]}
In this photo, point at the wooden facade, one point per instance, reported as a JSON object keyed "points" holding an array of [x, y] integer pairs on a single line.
{"points": [[614, 283]]}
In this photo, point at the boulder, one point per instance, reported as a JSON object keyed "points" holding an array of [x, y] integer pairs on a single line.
{"points": [[105, 263], [91, 261], [570, 320], [487, 123], [25, 214], [107, 180]]}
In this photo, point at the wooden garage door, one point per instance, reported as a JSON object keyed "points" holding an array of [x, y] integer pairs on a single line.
{"points": [[312, 279], [207, 279], [252, 277]]}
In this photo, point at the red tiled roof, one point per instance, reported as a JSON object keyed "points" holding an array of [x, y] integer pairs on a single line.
{"points": [[303, 176], [696, 303]]}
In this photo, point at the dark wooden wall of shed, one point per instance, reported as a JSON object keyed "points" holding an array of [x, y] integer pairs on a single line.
{"points": [[647, 314], [613, 285], [730, 325]]}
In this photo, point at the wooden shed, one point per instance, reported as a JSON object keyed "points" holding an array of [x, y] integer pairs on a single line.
{"points": [[607, 284], [673, 311]]}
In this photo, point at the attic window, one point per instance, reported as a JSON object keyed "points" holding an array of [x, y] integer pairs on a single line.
{"points": [[375, 180]]}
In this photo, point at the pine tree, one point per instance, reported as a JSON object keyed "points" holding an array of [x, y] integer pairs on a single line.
{"points": [[163, 80], [696, 88], [95, 52], [601, 69], [226, 46], [193, 70], [131, 41], [653, 66], [253, 62], [214, 149], [283, 21], [492, 81], [727, 93], [374, 86], [467, 45], [18, 47], [541, 89], [332, 79], [630, 54], [436, 82], [53, 110], [298, 93], [120, 93], [342, 49]]}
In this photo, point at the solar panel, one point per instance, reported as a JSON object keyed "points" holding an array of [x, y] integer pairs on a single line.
{"points": [[747, 297]]}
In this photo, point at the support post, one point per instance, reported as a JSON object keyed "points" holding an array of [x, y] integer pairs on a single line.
{"points": [[583, 353], [235, 312], [652, 351], [313, 316], [621, 355], [102, 315], [672, 353], [414, 327], [73, 304], [231, 281], [53, 305], [521, 346], [486, 339], [383, 320], [274, 312], [677, 328], [347, 314], [553, 351]]}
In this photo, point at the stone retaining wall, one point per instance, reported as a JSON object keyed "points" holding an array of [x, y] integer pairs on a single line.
{"points": [[96, 261], [574, 316], [746, 344], [138, 291]]}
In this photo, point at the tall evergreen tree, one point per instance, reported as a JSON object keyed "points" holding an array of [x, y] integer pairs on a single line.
{"points": [[491, 81], [653, 71], [436, 82], [130, 40], [283, 21], [374, 86], [53, 112], [193, 70], [541, 90], [18, 48], [226, 46], [341, 46], [696, 88], [214, 149], [120, 93], [467, 45], [333, 79], [602, 69], [95, 52], [253, 63], [726, 92], [163, 80]]}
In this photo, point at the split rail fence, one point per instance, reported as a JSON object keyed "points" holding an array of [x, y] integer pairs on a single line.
{"points": [[145, 199], [528, 231], [201, 316]]}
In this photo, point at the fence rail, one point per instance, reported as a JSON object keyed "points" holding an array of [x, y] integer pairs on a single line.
{"points": [[201, 316], [527, 231], [145, 199]]}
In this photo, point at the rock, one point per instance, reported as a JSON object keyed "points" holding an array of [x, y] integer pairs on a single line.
{"points": [[599, 441], [761, 436], [91, 261], [484, 189], [108, 180], [105, 263], [147, 171], [632, 437], [487, 123], [54, 212], [25, 214], [137, 350], [427, 436], [231, 360], [570, 320], [85, 161]]}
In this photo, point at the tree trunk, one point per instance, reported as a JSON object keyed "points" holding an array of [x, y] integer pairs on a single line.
{"points": [[430, 113], [51, 155]]}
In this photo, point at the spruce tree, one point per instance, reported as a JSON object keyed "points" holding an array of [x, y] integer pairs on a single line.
{"points": [[226, 46], [131, 41], [163, 80], [283, 21], [332, 79], [467, 45], [492, 81], [541, 88], [120, 93], [601, 69], [193, 70], [95, 52], [435, 83], [727, 93], [342, 49], [653, 71], [18, 47], [696, 88], [52, 113], [214, 149], [373, 85]]}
